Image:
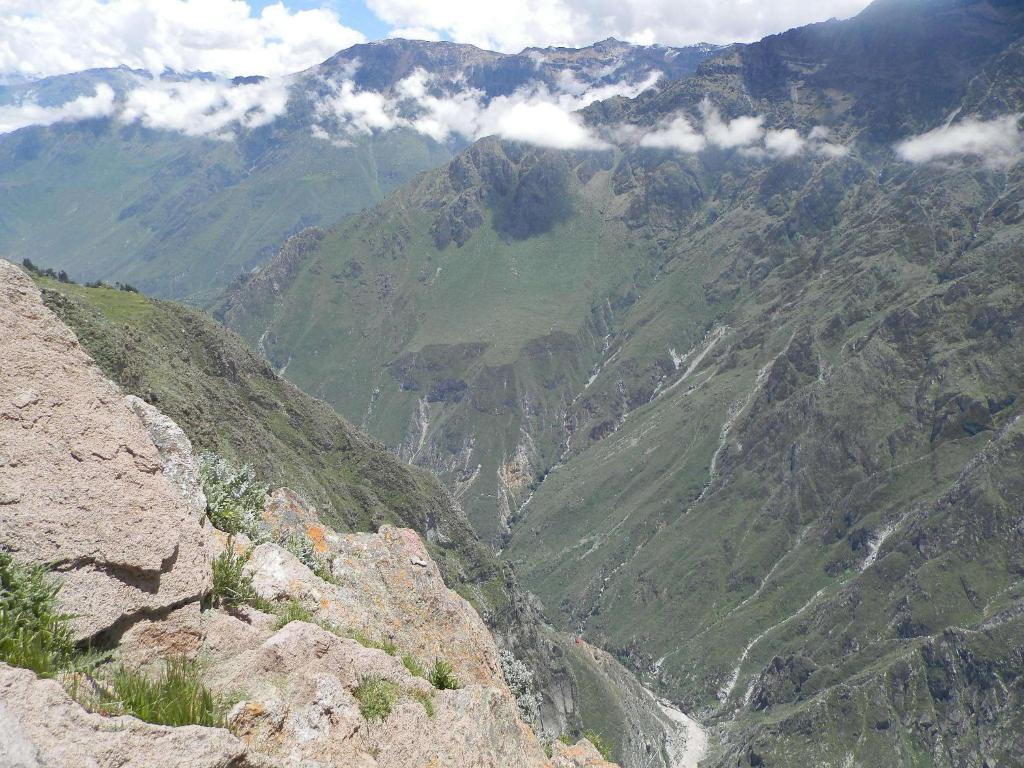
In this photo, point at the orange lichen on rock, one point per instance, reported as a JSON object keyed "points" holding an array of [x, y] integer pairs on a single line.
{"points": [[317, 536]]}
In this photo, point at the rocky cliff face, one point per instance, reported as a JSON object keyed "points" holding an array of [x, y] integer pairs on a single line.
{"points": [[103, 489]]}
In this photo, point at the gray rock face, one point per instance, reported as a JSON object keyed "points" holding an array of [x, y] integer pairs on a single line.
{"points": [[80, 479], [388, 587], [298, 702], [297, 685], [181, 466], [42, 727]]}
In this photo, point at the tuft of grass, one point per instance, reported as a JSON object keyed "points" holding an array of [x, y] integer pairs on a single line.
{"points": [[442, 677], [413, 666], [33, 633], [368, 642], [177, 697], [231, 587], [376, 697], [600, 743], [425, 699], [303, 549], [294, 610]]}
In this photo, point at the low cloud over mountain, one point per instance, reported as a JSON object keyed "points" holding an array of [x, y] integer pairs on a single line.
{"points": [[997, 142]]}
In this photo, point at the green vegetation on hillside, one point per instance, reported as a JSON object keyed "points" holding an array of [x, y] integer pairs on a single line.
{"points": [[231, 403], [176, 696], [232, 588], [149, 207], [36, 636], [391, 328], [441, 677], [376, 697]]}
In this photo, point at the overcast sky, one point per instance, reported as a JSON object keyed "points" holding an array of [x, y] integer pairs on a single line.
{"points": [[237, 37]]}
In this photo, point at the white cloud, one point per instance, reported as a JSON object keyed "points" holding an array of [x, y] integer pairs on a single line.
{"points": [[997, 142], [785, 143], [741, 132], [47, 37], [535, 115], [415, 33], [360, 111], [511, 27], [831, 150], [542, 123], [440, 117], [676, 134], [101, 104], [204, 108], [193, 107], [745, 134]]}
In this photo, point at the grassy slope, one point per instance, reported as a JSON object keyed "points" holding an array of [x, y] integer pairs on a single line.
{"points": [[375, 324], [229, 401], [149, 207]]}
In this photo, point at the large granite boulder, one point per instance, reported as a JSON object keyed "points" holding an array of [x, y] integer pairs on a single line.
{"points": [[298, 701], [180, 465], [81, 483]]}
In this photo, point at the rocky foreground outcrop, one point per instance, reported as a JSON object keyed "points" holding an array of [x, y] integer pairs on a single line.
{"points": [[81, 483], [106, 489], [387, 586], [42, 726]]}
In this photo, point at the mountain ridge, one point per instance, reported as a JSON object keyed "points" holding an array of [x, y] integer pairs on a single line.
{"points": [[293, 160], [707, 454]]}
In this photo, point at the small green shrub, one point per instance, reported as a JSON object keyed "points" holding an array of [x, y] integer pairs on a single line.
{"points": [[177, 697], [376, 697], [441, 676], [425, 699], [33, 633], [600, 743], [413, 666], [234, 499], [231, 587], [520, 682], [294, 610], [367, 642], [234, 504], [306, 553]]}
